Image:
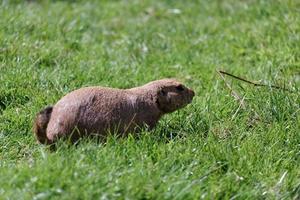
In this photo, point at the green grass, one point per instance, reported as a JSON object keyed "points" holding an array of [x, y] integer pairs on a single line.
{"points": [[211, 149]]}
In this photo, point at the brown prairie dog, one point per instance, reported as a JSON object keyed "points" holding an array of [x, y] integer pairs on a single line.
{"points": [[97, 110]]}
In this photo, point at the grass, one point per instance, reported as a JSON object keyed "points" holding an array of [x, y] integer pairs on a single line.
{"points": [[208, 150]]}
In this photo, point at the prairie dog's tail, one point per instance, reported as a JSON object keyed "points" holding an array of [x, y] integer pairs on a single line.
{"points": [[40, 125]]}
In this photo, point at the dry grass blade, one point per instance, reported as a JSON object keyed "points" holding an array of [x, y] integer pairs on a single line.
{"points": [[255, 117], [252, 82], [236, 96]]}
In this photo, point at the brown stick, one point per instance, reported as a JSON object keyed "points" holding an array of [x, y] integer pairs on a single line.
{"points": [[237, 96], [233, 93], [253, 83]]}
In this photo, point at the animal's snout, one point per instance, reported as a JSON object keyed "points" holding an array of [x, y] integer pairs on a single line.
{"points": [[191, 92], [190, 95]]}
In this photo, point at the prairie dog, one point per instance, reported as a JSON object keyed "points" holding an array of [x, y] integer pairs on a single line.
{"points": [[97, 110]]}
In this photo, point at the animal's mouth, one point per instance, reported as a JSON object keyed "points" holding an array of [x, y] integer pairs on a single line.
{"points": [[191, 95], [188, 99], [192, 92]]}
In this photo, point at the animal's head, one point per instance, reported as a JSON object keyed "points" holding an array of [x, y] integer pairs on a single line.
{"points": [[172, 95]]}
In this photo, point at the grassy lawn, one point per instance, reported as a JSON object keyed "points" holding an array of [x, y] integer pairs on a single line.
{"points": [[212, 149]]}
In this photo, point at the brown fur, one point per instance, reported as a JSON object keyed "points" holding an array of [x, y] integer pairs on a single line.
{"points": [[97, 110], [41, 123]]}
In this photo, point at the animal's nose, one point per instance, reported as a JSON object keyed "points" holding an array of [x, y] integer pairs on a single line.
{"points": [[192, 92]]}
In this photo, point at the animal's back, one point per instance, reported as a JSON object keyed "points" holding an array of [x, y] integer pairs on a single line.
{"points": [[88, 110]]}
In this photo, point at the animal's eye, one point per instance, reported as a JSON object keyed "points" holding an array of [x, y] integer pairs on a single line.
{"points": [[163, 92], [179, 88]]}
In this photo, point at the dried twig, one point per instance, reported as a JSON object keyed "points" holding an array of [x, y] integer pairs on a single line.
{"points": [[233, 93], [238, 98], [252, 82]]}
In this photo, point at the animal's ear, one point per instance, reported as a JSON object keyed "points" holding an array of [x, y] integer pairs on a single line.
{"points": [[161, 98]]}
